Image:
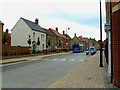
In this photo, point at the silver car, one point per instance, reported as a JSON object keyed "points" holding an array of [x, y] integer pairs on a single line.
{"points": [[92, 51]]}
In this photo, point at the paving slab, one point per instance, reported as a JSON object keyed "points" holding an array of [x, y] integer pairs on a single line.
{"points": [[86, 75]]}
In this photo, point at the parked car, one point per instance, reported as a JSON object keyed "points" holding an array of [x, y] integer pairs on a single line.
{"points": [[92, 51]]}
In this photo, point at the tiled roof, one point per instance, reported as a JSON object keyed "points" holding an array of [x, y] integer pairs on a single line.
{"points": [[80, 39], [49, 32], [68, 37], [33, 25], [57, 33]]}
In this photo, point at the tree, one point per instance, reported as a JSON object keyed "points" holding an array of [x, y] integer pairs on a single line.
{"points": [[5, 39], [38, 42], [29, 40], [59, 43]]}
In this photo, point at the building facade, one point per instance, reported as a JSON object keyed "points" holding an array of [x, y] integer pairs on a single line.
{"points": [[1, 31], [115, 40], [60, 39], [50, 39], [28, 33]]}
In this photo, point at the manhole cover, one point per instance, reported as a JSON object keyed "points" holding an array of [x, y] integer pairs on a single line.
{"points": [[89, 78]]}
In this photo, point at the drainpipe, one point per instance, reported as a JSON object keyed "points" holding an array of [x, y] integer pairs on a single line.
{"points": [[111, 42]]}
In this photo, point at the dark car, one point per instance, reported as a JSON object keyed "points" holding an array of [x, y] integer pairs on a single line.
{"points": [[92, 51]]}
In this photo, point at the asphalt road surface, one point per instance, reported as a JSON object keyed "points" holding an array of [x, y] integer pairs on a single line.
{"points": [[40, 73]]}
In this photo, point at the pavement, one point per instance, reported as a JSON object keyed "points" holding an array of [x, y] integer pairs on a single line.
{"points": [[32, 58], [86, 75]]}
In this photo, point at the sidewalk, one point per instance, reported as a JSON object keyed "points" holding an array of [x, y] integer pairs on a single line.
{"points": [[31, 58], [86, 75]]}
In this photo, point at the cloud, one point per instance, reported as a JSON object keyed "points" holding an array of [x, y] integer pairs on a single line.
{"points": [[84, 30], [81, 17]]}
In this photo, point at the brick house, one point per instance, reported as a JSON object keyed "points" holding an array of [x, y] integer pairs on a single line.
{"points": [[69, 40], [50, 39], [60, 39], [90, 43], [115, 40], [95, 43], [1, 31], [84, 42], [77, 40]]}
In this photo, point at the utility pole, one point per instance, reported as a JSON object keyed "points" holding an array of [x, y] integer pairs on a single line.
{"points": [[101, 64]]}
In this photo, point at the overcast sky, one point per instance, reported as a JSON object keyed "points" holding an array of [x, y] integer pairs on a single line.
{"points": [[82, 16]]}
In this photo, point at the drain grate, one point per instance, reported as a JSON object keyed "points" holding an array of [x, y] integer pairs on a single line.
{"points": [[89, 78]]}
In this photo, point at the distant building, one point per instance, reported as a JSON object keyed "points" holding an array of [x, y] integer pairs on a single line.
{"points": [[60, 39], [95, 43], [69, 40], [25, 30], [50, 39]]}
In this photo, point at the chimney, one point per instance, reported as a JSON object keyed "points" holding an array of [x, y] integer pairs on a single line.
{"points": [[63, 32], [74, 34], [57, 29], [6, 30], [81, 36], [36, 21]]}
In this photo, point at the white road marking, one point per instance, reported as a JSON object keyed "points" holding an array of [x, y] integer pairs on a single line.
{"points": [[64, 59]]}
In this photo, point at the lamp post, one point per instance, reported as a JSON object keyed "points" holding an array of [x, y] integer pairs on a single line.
{"points": [[67, 28], [101, 65]]}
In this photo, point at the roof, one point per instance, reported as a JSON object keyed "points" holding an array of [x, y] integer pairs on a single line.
{"points": [[68, 37], [82, 38], [49, 32], [33, 25], [57, 33], [1, 22], [79, 38]]}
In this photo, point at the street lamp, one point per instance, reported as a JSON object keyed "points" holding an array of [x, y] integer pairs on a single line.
{"points": [[67, 28], [101, 65]]}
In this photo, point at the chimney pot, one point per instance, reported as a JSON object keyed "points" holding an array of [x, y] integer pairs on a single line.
{"points": [[75, 34], [57, 29], [6, 30], [63, 32], [36, 21]]}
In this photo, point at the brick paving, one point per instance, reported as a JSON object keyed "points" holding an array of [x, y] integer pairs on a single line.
{"points": [[86, 75]]}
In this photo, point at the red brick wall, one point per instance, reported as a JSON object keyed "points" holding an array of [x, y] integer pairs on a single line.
{"points": [[1, 29], [14, 50], [116, 47]]}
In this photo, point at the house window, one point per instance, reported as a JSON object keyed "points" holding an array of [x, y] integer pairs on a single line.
{"points": [[42, 36], [33, 34]]}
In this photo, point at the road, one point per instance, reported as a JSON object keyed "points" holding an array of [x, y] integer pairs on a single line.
{"points": [[40, 73]]}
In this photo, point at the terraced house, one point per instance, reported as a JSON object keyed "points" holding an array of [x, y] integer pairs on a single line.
{"points": [[60, 39], [50, 39], [28, 33]]}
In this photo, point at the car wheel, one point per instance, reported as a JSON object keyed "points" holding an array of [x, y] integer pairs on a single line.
{"points": [[86, 53]]}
